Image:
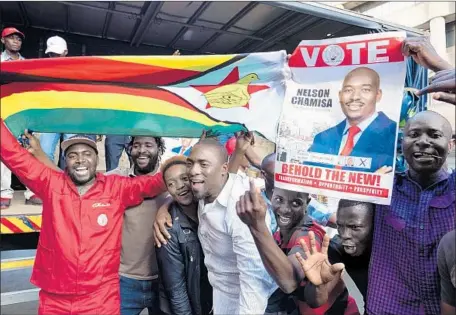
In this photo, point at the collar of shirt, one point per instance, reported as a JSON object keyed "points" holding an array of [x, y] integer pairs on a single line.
{"points": [[363, 125], [131, 172], [224, 195], [7, 57], [441, 176], [222, 198]]}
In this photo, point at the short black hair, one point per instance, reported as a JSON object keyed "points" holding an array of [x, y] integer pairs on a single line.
{"points": [[345, 203], [175, 160], [158, 140], [220, 149]]}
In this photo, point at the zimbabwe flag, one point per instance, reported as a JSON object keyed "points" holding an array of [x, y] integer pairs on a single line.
{"points": [[172, 96]]}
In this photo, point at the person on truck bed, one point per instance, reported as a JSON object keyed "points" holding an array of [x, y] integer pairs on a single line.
{"points": [[78, 255]]}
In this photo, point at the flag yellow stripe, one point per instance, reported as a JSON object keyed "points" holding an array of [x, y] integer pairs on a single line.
{"points": [[16, 103], [195, 63]]}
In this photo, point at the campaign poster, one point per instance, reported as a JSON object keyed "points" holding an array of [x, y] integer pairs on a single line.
{"points": [[338, 129]]}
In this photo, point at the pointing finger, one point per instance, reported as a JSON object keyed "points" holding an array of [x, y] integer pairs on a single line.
{"points": [[254, 195], [441, 86], [445, 97]]}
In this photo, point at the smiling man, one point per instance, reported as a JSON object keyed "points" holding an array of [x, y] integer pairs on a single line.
{"points": [[241, 285], [139, 273], [365, 132], [78, 255], [407, 232]]}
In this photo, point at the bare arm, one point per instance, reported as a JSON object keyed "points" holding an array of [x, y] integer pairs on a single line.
{"points": [[286, 271], [253, 158], [244, 141], [283, 269]]}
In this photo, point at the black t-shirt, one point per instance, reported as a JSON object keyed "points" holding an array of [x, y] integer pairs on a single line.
{"points": [[446, 260], [357, 267]]}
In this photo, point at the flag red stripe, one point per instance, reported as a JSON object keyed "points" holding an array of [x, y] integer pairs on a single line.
{"points": [[99, 69]]}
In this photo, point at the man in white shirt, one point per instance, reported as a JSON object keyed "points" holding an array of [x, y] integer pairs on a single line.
{"points": [[241, 284]]}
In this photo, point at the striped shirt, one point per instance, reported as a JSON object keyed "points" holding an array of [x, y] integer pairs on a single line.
{"points": [[403, 276]]}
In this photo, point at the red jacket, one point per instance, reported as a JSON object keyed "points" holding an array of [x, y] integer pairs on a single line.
{"points": [[79, 246]]}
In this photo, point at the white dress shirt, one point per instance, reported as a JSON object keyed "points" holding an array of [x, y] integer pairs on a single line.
{"points": [[363, 126], [241, 284]]}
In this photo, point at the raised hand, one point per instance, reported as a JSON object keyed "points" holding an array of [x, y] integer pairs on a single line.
{"points": [[244, 140], [384, 170], [423, 53], [251, 208], [316, 266], [33, 145], [162, 222]]}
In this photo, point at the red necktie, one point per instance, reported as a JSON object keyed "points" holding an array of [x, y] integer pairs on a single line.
{"points": [[348, 148]]}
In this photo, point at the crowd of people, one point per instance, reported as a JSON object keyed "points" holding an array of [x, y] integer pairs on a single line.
{"points": [[194, 235]]}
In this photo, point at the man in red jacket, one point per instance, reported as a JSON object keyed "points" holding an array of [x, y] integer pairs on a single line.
{"points": [[78, 255]]}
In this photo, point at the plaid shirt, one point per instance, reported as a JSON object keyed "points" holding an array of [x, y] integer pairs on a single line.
{"points": [[339, 301], [403, 276]]}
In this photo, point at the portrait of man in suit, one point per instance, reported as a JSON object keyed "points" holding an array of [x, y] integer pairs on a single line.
{"points": [[365, 132]]}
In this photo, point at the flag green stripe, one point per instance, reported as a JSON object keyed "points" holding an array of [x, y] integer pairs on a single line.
{"points": [[114, 122]]}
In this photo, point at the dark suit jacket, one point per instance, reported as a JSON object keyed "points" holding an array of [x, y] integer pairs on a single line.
{"points": [[378, 141]]}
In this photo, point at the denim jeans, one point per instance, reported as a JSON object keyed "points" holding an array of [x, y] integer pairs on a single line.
{"points": [[49, 142], [114, 146], [136, 295]]}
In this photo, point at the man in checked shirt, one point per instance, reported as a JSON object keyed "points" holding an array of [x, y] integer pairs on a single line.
{"points": [[403, 276]]}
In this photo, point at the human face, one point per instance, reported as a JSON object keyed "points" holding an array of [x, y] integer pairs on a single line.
{"points": [[55, 55], [81, 163], [186, 142], [359, 94], [290, 207], [426, 144], [178, 184], [207, 171], [13, 43], [354, 225], [144, 154]]}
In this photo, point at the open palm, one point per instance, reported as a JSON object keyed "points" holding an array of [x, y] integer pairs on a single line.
{"points": [[316, 266]]}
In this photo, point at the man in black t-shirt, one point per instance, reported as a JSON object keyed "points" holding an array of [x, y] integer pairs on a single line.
{"points": [[446, 261], [353, 244]]}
